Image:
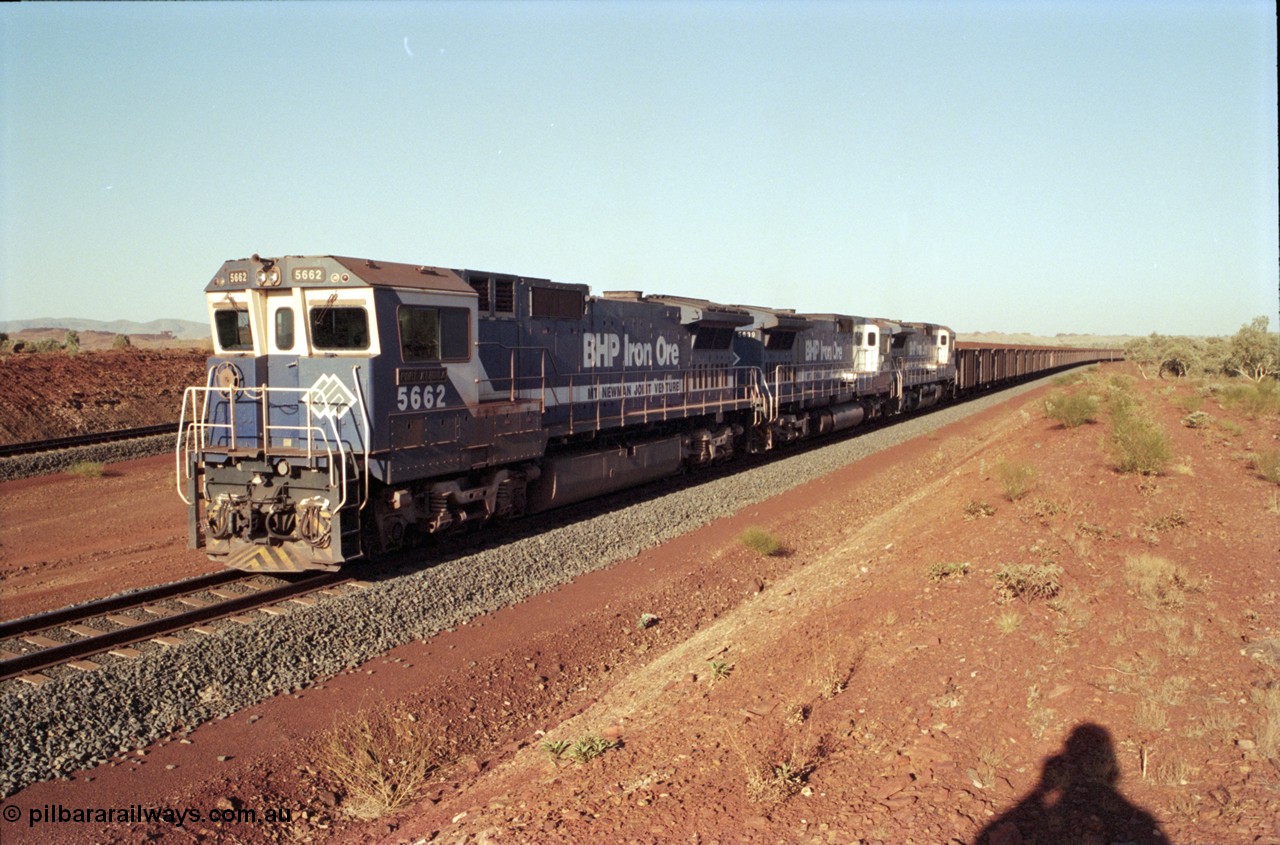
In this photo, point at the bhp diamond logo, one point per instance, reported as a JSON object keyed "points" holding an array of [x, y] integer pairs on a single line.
{"points": [[329, 397]]}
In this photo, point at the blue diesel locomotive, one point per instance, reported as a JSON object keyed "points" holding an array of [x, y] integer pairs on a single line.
{"points": [[353, 407]]}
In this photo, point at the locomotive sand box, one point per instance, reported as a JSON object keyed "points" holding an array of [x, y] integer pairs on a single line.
{"points": [[353, 407]]}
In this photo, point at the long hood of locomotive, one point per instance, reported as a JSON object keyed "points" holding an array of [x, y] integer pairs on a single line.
{"points": [[615, 352]]}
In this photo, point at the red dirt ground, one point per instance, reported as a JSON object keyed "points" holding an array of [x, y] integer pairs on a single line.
{"points": [[59, 395], [833, 694]]}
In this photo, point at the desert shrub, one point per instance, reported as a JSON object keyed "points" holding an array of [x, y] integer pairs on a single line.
{"points": [[1174, 519], [1015, 478], [1232, 428], [1028, 581], [1071, 409], [121, 341], [761, 541], [1121, 383], [976, 509], [941, 571], [1118, 396], [1253, 399], [379, 760], [1197, 419], [1139, 445], [1045, 508], [1267, 463]]}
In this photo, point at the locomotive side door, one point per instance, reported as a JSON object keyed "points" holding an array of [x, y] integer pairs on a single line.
{"points": [[867, 354], [286, 341]]}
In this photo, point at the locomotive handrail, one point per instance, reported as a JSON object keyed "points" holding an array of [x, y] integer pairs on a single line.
{"points": [[197, 431], [368, 430], [730, 388], [196, 436]]}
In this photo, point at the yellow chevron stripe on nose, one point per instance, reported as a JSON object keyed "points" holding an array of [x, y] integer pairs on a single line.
{"points": [[268, 559]]}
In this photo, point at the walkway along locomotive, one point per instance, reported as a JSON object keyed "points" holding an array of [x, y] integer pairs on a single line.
{"points": [[352, 407]]}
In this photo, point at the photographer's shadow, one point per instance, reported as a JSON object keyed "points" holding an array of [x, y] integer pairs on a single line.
{"points": [[1076, 801]]}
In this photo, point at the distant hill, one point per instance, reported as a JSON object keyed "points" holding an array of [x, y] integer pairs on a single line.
{"points": [[181, 329]]}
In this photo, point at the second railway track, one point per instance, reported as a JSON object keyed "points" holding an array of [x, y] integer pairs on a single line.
{"points": [[31, 646], [31, 447]]}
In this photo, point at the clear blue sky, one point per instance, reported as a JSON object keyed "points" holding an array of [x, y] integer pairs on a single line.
{"points": [[1089, 167]]}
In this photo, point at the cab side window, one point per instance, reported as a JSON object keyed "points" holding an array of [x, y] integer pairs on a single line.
{"points": [[434, 334], [339, 327], [234, 333], [284, 329]]}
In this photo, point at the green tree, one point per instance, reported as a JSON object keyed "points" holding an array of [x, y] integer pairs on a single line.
{"points": [[1254, 352], [71, 342], [1142, 351], [1214, 355], [121, 341], [1178, 356]]}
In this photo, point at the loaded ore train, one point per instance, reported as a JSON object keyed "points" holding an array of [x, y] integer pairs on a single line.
{"points": [[354, 407]]}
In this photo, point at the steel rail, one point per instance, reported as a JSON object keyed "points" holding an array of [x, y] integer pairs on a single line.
{"points": [[78, 612], [9, 450], [144, 630]]}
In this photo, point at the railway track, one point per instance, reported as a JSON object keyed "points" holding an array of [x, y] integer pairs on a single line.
{"points": [[9, 450], [78, 637]]}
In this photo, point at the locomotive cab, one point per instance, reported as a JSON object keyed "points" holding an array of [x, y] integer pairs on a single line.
{"points": [[870, 344], [277, 454]]}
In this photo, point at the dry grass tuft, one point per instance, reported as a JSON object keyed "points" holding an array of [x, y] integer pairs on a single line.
{"points": [[1150, 716], [761, 542], [1267, 463], [379, 760], [1161, 584], [779, 766], [87, 469], [1015, 478], [1008, 622], [1267, 735]]}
